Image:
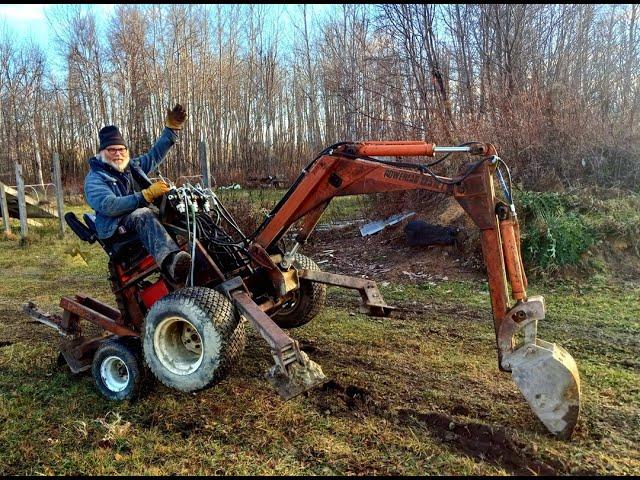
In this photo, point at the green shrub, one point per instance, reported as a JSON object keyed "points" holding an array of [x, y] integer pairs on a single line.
{"points": [[553, 234], [559, 228], [557, 241]]}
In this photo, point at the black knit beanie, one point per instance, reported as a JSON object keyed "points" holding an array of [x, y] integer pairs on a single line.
{"points": [[110, 135]]}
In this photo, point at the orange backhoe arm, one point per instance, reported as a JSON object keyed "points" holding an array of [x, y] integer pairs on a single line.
{"points": [[545, 373], [346, 170]]}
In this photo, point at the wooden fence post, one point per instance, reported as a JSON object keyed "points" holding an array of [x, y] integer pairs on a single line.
{"points": [[57, 179], [5, 209], [205, 168], [22, 205]]}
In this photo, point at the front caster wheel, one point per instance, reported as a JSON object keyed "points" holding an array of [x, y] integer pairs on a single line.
{"points": [[118, 370]]}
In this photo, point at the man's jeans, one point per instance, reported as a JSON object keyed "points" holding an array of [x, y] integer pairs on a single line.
{"points": [[152, 234]]}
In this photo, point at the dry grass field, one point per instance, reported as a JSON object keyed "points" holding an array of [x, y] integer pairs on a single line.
{"points": [[416, 394]]}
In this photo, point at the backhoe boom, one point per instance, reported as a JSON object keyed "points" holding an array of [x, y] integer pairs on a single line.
{"points": [[545, 373]]}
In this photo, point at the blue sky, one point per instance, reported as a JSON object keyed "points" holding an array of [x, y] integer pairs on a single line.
{"points": [[25, 21], [29, 21]]}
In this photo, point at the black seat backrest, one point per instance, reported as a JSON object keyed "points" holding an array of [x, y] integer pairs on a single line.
{"points": [[123, 248], [116, 245], [90, 220], [86, 233]]}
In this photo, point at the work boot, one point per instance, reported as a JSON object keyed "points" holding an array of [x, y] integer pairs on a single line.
{"points": [[177, 266]]}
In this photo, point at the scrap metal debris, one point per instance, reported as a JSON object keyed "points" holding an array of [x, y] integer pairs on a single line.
{"points": [[375, 227]]}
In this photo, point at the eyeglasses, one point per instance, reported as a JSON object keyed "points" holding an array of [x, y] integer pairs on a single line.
{"points": [[113, 151]]}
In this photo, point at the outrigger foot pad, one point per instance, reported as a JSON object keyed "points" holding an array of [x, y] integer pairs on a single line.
{"points": [[298, 377]]}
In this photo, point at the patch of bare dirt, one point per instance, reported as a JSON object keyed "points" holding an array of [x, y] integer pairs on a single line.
{"points": [[334, 397], [386, 256], [16, 327], [484, 442]]}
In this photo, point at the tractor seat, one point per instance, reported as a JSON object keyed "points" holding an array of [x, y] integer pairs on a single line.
{"points": [[119, 246]]}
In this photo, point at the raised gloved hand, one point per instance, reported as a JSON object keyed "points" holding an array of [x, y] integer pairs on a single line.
{"points": [[154, 191], [176, 117]]}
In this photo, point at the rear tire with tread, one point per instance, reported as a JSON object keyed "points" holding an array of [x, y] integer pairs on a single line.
{"points": [[192, 338], [308, 299]]}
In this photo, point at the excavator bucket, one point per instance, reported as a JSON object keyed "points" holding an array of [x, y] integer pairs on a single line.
{"points": [[545, 373], [547, 376]]}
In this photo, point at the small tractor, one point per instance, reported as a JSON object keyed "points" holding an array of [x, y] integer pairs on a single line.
{"points": [[190, 336]]}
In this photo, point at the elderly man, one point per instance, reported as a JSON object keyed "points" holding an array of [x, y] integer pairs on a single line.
{"points": [[109, 190]]}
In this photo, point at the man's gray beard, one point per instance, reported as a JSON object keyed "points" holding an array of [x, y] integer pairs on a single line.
{"points": [[120, 168]]}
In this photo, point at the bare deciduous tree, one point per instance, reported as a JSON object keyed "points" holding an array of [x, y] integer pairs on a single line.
{"points": [[555, 87]]}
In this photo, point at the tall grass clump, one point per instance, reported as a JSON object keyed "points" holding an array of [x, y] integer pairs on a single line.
{"points": [[558, 229]]}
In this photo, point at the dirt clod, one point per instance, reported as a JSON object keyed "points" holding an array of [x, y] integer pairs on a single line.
{"points": [[336, 398], [307, 346], [461, 410]]}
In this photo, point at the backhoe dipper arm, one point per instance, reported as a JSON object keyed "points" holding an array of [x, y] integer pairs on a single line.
{"points": [[545, 373]]}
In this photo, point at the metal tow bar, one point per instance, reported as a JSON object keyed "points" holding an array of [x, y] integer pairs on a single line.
{"points": [[293, 372]]}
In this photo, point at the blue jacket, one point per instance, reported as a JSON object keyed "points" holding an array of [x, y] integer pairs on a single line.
{"points": [[111, 193]]}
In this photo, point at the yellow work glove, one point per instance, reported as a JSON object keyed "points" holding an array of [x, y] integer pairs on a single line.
{"points": [[176, 117], [154, 191]]}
